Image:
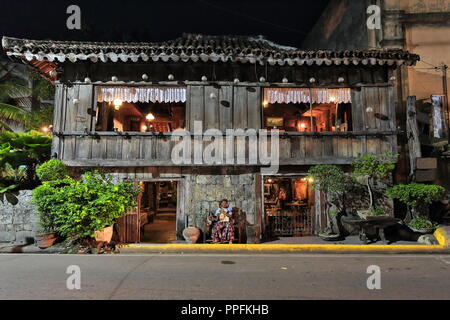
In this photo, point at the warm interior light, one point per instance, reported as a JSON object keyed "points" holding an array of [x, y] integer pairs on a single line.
{"points": [[302, 125], [117, 103], [332, 99], [310, 179], [44, 129], [150, 117], [265, 103], [144, 128]]}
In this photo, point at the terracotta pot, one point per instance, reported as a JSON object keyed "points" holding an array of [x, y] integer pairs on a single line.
{"points": [[45, 240], [104, 235], [191, 234]]}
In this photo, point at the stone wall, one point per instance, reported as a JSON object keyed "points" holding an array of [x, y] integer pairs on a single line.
{"points": [[207, 190], [19, 223]]}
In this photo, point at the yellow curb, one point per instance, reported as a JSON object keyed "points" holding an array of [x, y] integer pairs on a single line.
{"points": [[284, 248], [442, 236]]}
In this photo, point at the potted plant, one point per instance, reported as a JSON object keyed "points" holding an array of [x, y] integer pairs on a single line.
{"points": [[422, 225], [417, 196], [330, 180], [366, 170]]}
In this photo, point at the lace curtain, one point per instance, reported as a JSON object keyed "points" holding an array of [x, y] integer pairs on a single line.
{"points": [[142, 94], [302, 95]]}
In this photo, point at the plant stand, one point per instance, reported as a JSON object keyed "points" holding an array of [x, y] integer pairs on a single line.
{"points": [[373, 228]]}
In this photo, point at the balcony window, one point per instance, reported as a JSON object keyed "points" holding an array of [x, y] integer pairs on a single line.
{"points": [[140, 109], [307, 110]]}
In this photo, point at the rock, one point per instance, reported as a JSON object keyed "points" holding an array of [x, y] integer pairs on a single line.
{"points": [[427, 239]]}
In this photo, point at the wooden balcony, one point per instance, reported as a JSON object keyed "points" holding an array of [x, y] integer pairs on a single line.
{"points": [[111, 149]]}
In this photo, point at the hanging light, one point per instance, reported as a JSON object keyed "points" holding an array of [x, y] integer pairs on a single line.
{"points": [[117, 103], [150, 116], [144, 128]]}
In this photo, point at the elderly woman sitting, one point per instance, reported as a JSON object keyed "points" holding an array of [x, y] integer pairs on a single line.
{"points": [[223, 230]]}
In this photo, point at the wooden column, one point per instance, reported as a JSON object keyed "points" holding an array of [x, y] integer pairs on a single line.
{"points": [[412, 132]]}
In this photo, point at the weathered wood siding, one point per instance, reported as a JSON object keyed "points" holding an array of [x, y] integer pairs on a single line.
{"points": [[112, 149], [222, 107]]}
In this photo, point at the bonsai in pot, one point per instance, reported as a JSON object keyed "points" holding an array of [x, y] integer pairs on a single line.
{"points": [[330, 180], [417, 197], [423, 225], [366, 170]]}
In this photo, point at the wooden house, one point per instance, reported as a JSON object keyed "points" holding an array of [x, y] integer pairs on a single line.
{"points": [[118, 105]]}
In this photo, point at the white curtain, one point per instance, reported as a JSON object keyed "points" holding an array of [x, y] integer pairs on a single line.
{"points": [[302, 95], [141, 94]]}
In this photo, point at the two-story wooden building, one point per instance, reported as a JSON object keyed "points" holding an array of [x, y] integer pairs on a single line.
{"points": [[118, 104]]}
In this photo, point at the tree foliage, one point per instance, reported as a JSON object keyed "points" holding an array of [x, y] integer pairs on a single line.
{"points": [[414, 194]]}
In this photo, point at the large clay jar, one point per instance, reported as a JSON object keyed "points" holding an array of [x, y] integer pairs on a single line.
{"points": [[104, 235], [191, 234]]}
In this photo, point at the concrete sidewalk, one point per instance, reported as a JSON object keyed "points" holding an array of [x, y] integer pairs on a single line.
{"points": [[307, 245]]}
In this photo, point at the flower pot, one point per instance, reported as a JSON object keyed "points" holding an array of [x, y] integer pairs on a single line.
{"points": [[191, 234], [424, 230], [45, 240], [104, 235]]}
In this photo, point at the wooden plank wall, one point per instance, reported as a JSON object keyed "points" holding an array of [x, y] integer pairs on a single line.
{"points": [[154, 150], [224, 107], [75, 115]]}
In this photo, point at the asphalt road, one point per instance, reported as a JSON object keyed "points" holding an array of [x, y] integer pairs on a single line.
{"points": [[152, 276]]}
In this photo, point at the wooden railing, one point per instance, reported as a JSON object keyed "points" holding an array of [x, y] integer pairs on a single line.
{"points": [[153, 149]]}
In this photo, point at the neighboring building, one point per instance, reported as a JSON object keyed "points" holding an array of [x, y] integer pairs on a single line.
{"points": [[420, 26], [117, 106]]}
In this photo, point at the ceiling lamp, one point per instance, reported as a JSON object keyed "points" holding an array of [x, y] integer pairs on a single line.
{"points": [[117, 103], [150, 116]]}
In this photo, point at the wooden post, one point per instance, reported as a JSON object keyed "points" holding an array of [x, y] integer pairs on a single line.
{"points": [[412, 133]]}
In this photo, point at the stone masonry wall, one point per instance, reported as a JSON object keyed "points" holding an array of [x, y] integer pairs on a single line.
{"points": [[19, 223], [207, 190]]}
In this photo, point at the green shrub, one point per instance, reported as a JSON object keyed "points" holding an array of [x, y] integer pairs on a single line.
{"points": [[79, 208], [422, 223], [414, 194], [52, 170]]}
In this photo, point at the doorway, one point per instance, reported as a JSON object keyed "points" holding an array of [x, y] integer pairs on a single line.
{"points": [[288, 206], [158, 211]]}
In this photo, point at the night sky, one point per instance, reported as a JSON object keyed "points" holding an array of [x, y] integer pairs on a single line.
{"points": [[282, 21]]}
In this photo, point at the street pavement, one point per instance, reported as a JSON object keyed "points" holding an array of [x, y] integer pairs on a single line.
{"points": [[228, 276]]}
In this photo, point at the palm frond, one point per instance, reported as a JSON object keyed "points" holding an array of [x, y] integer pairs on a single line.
{"points": [[12, 113], [14, 90]]}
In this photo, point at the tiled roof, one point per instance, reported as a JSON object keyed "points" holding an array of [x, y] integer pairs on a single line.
{"points": [[193, 47]]}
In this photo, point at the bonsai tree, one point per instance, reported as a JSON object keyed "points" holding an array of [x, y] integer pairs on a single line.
{"points": [[368, 168], [417, 196], [330, 179]]}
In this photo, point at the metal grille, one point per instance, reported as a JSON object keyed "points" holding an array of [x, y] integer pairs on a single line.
{"points": [[295, 224]]}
